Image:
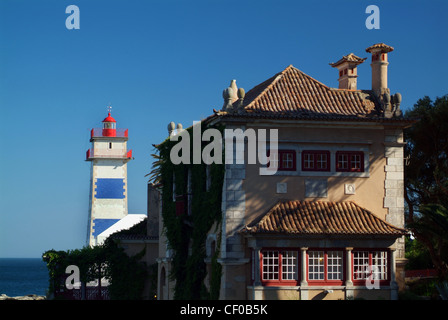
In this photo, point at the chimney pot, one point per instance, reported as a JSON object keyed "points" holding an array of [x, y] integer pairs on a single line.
{"points": [[379, 67], [348, 71]]}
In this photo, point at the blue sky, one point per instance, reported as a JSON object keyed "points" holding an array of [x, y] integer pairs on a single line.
{"points": [[162, 61]]}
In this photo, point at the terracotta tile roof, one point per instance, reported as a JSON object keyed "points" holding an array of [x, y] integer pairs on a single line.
{"points": [[382, 46], [294, 93], [349, 58], [321, 218]]}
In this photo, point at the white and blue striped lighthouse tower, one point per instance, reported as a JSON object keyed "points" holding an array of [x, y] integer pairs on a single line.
{"points": [[108, 185]]}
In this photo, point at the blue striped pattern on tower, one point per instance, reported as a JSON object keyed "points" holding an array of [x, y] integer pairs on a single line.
{"points": [[109, 188]]}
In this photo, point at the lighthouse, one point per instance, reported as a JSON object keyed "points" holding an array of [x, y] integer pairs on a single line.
{"points": [[108, 179]]}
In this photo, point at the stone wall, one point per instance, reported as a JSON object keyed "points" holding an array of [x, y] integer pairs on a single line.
{"points": [[394, 182]]}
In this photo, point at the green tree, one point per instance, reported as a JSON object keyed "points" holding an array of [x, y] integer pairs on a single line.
{"points": [[431, 228], [426, 152], [426, 177]]}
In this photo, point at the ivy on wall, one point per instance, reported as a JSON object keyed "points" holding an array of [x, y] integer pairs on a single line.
{"points": [[187, 232]]}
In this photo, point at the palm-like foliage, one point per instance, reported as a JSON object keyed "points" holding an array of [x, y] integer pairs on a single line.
{"points": [[431, 227], [155, 175]]}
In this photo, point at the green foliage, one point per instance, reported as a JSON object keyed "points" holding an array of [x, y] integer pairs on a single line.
{"points": [[187, 234], [431, 227], [426, 172], [417, 254], [155, 174], [126, 274], [88, 260], [215, 277], [426, 178]]}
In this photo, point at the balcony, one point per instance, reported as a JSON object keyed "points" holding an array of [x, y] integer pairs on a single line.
{"points": [[108, 154], [98, 133]]}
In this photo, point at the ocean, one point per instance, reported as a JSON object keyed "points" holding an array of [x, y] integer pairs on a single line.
{"points": [[22, 276]]}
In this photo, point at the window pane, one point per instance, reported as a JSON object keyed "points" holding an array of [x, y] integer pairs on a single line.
{"points": [[334, 265], [289, 265], [342, 161], [287, 160], [379, 265], [321, 161], [273, 163], [270, 265], [308, 162], [360, 265], [355, 162], [316, 265]]}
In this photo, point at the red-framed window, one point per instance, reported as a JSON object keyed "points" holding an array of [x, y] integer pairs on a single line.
{"points": [[284, 160], [350, 161], [315, 160], [279, 267], [325, 267], [370, 265], [181, 204]]}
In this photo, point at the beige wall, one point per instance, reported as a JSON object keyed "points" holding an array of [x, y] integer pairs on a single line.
{"points": [[294, 293], [260, 190]]}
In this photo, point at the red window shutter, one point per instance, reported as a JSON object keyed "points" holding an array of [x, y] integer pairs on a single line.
{"points": [[180, 205]]}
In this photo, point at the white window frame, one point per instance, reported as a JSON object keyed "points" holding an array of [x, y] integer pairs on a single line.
{"points": [[287, 160], [308, 161], [320, 161], [367, 262], [335, 265], [379, 261], [289, 265], [271, 265], [344, 161], [316, 265], [356, 159], [360, 263]]}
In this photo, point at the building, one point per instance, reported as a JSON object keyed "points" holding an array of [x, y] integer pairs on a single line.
{"points": [[108, 181], [329, 224], [135, 240]]}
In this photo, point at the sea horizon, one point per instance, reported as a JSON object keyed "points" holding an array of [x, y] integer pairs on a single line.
{"points": [[23, 276]]}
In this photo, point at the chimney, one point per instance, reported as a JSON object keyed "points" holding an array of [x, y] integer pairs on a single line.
{"points": [[347, 71], [379, 67]]}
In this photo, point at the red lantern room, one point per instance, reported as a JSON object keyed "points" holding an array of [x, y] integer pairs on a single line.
{"points": [[109, 135], [109, 127]]}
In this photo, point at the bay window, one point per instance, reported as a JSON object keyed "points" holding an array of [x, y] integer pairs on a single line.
{"points": [[280, 266]]}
